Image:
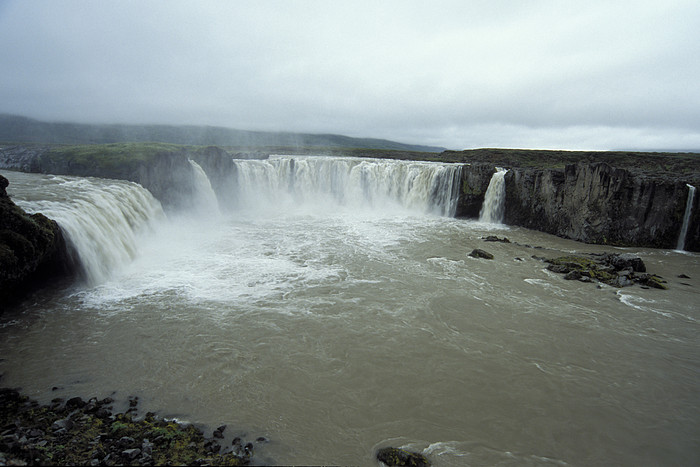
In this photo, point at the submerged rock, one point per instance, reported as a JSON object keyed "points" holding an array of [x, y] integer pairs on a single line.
{"points": [[478, 253], [395, 456], [494, 238]]}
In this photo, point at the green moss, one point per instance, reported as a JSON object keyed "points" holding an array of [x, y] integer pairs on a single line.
{"points": [[586, 266], [468, 190]]}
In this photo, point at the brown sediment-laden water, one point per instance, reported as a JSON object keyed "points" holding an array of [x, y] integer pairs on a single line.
{"points": [[334, 309]]}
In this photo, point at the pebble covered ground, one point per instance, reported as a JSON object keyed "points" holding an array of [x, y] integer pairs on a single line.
{"points": [[78, 432]]}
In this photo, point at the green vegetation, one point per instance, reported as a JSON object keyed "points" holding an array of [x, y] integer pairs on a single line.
{"points": [[585, 266], [107, 157], [653, 162]]}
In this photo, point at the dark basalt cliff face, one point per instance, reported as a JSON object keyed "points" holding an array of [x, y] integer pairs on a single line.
{"points": [[32, 250], [475, 181], [596, 203], [591, 202]]}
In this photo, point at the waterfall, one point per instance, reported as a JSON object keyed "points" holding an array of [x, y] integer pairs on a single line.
{"points": [[101, 219], [686, 217], [424, 187], [206, 201], [493, 209]]}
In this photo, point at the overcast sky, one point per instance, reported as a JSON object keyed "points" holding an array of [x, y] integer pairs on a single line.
{"points": [[459, 74]]}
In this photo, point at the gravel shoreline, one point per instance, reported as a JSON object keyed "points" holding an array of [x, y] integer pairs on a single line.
{"points": [[79, 432]]}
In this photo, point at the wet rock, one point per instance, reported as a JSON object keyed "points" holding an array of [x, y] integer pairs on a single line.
{"points": [[609, 268], [683, 276], [65, 424], [219, 432], [395, 456], [131, 454], [126, 441], [75, 402], [573, 275], [33, 251], [623, 281], [652, 281], [147, 447], [493, 238], [626, 261], [478, 253], [47, 435]]}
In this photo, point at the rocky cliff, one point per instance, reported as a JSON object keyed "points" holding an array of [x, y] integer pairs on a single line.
{"points": [[591, 202], [32, 250]]}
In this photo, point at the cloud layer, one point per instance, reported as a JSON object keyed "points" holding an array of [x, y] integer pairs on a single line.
{"points": [[546, 74]]}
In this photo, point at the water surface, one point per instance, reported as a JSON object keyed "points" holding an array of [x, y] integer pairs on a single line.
{"points": [[334, 329]]}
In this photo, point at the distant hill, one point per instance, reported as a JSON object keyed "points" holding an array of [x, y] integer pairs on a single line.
{"points": [[16, 129]]}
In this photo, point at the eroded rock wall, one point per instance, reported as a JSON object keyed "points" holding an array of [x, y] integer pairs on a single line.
{"points": [[32, 250], [596, 203]]}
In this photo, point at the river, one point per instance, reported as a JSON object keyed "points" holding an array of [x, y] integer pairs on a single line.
{"points": [[337, 322]]}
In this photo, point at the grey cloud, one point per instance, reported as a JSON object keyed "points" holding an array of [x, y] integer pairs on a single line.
{"points": [[457, 74]]}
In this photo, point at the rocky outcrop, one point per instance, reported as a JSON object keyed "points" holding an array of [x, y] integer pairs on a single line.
{"points": [[400, 457], [617, 270], [35, 434], [596, 203], [591, 202], [32, 250]]}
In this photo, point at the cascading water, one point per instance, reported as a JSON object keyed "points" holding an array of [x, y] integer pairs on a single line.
{"points": [[686, 217], [206, 201], [101, 219], [423, 187], [493, 209]]}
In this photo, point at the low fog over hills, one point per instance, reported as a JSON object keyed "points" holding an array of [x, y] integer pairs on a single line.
{"points": [[18, 129]]}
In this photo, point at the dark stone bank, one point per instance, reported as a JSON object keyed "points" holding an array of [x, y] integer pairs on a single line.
{"points": [[79, 432]]}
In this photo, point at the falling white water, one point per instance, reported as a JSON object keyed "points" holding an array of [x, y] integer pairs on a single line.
{"points": [[686, 218], [101, 219], [329, 182], [493, 209], [206, 201]]}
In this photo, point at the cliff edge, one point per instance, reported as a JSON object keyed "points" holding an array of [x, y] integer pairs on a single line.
{"points": [[32, 250], [623, 199]]}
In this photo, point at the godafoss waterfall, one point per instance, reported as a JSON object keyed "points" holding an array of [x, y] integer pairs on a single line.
{"points": [[330, 306]]}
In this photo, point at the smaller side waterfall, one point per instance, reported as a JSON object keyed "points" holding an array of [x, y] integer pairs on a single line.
{"points": [[206, 200], [686, 218], [494, 207]]}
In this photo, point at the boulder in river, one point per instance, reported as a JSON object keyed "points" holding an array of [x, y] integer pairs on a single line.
{"points": [[478, 253], [395, 456]]}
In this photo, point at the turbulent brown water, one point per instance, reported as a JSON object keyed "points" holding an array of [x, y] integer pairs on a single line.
{"points": [[334, 327]]}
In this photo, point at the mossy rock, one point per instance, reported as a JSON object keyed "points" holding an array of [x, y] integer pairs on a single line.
{"points": [[79, 434], [395, 456]]}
